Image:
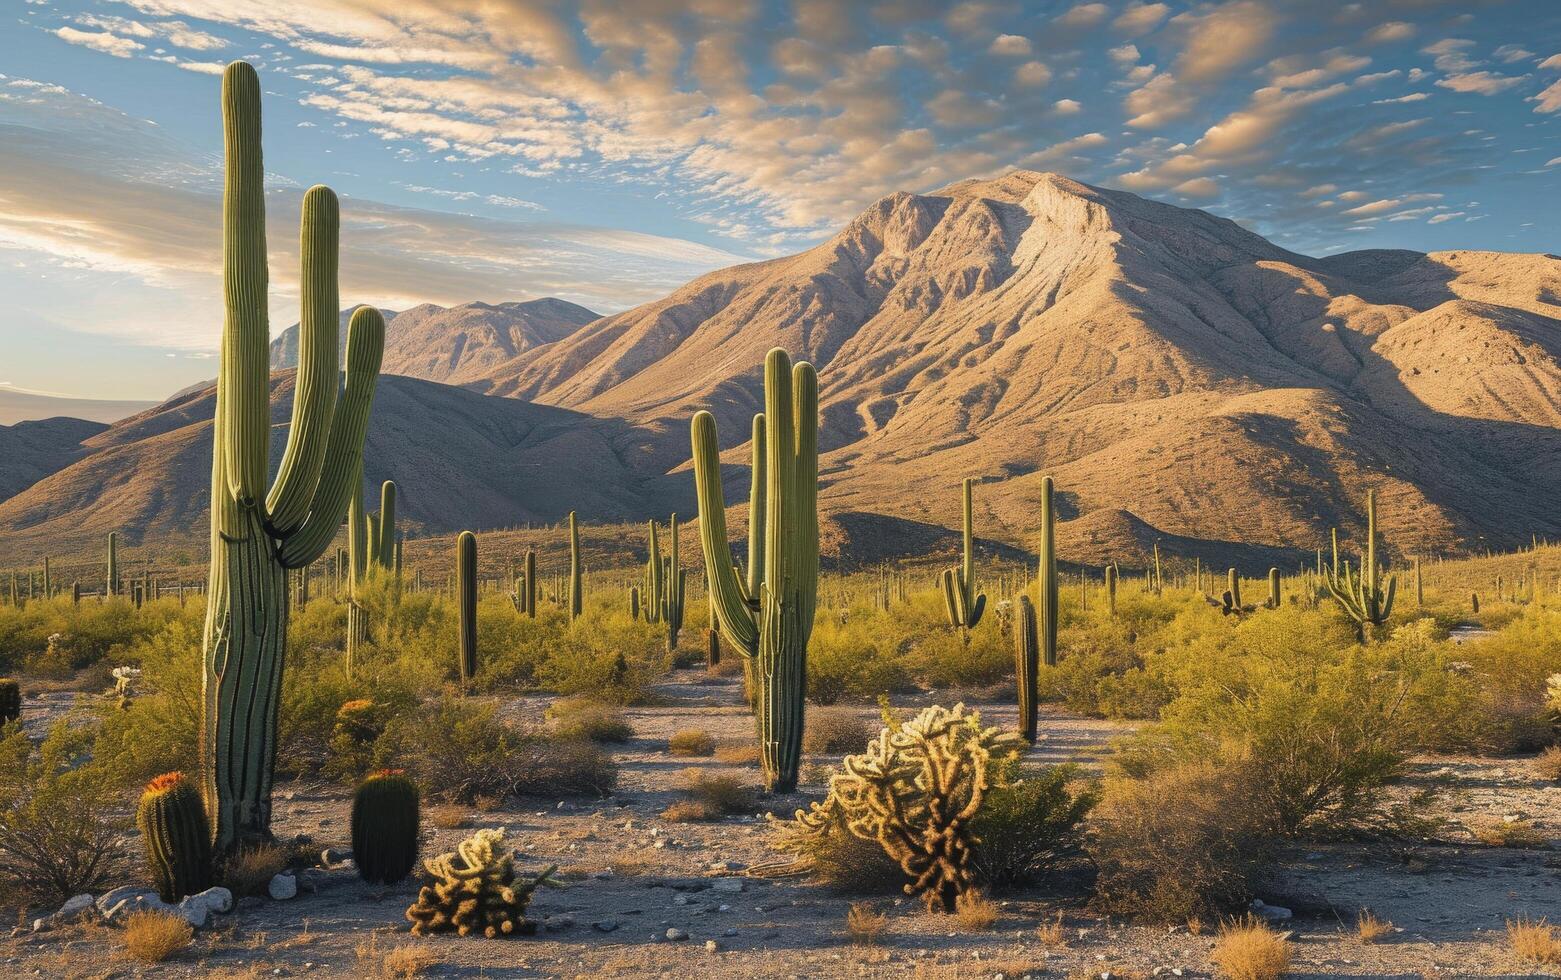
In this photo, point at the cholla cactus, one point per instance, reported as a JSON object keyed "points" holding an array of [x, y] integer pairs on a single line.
{"points": [[915, 791], [476, 889]]}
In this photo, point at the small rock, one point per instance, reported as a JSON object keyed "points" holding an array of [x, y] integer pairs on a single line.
{"points": [[114, 896], [606, 925], [283, 887], [334, 857], [42, 925], [681, 900], [195, 913], [729, 933], [558, 923], [1271, 913], [727, 866], [730, 885], [676, 935], [216, 899]]}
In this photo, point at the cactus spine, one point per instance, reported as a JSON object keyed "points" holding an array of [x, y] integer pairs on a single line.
{"points": [[1362, 596], [770, 621], [466, 599], [961, 601], [173, 825], [385, 819], [10, 700], [256, 536]]}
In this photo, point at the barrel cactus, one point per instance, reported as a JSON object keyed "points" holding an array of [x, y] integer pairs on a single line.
{"points": [[173, 825], [258, 536], [770, 619], [10, 699], [385, 825]]}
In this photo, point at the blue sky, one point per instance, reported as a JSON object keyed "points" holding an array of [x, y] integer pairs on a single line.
{"points": [[606, 152]]}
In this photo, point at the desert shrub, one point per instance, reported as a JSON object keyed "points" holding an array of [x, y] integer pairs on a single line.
{"points": [[249, 870], [1371, 927], [833, 731], [1026, 822], [691, 742], [864, 924], [152, 936], [353, 746], [1534, 942], [461, 749], [159, 729], [737, 753], [587, 718], [709, 797], [1547, 765], [56, 836], [84, 635], [1180, 843], [852, 660], [975, 912], [1250, 950]]}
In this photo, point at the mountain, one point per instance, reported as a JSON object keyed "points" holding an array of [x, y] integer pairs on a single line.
{"points": [[456, 344], [25, 406], [1184, 381], [1155, 360], [31, 450], [460, 459]]}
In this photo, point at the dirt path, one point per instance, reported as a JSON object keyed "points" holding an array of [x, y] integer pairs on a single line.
{"points": [[634, 876]]}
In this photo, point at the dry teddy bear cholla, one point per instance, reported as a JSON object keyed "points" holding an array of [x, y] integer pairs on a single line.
{"points": [[476, 890]]}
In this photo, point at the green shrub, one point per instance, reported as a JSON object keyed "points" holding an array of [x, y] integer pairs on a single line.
{"points": [[583, 717], [1025, 823]]}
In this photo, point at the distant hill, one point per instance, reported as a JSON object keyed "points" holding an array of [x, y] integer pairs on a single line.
{"points": [[457, 344], [23, 406]]}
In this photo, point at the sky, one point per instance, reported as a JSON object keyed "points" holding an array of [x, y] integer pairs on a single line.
{"points": [[606, 151]]}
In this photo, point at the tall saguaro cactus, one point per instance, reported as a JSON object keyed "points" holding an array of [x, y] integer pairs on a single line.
{"points": [[1036, 632], [258, 536], [960, 599], [1362, 595], [665, 579], [576, 598], [111, 582], [771, 619], [466, 599]]}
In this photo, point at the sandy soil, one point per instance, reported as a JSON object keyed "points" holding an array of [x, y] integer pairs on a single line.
{"points": [[637, 875]]}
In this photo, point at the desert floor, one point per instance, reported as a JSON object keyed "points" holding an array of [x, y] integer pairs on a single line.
{"points": [[630, 872]]}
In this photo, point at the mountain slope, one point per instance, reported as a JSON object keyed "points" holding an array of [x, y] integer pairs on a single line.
{"points": [[25, 406], [30, 451], [1155, 359], [456, 344]]}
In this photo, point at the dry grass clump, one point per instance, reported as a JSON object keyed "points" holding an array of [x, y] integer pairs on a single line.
{"points": [[585, 718], [835, 731], [691, 742], [396, 963], [250, 870], [1508, 833], [743, 753], [974, 911], [449, 816], [1249, 950], [709, 797], [1534, 942], [865, 925], [151, 936], [1547, 765], [1053, 935], [1371, 927]]}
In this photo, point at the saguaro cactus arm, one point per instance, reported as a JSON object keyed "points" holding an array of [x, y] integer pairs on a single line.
{"points": [[732, 610]]}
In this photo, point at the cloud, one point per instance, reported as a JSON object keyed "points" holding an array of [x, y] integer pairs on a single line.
{"points": [[119, 47], [1084, 15], [1224, 39], [1067, 107], [1479, 82], [1388, 204], [1157, 102], [1138, 19], [1444, 216], [1198, 187], [1512, 52], [1411, 97], [1010, 44], [1393, 30], [1548, 100], [1032, 74]]}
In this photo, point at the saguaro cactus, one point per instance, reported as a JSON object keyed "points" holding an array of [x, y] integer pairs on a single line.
{"points": [[770, 621], [466, 598], [665, 580], [111, 582], [1035, 633], [256, 536], [960, 599], [1111, 589], [1273, 588], [576, 596], [1362, 596]]}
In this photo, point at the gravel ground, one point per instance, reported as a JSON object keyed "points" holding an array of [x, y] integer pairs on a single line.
{"points": [[633, 876]]}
